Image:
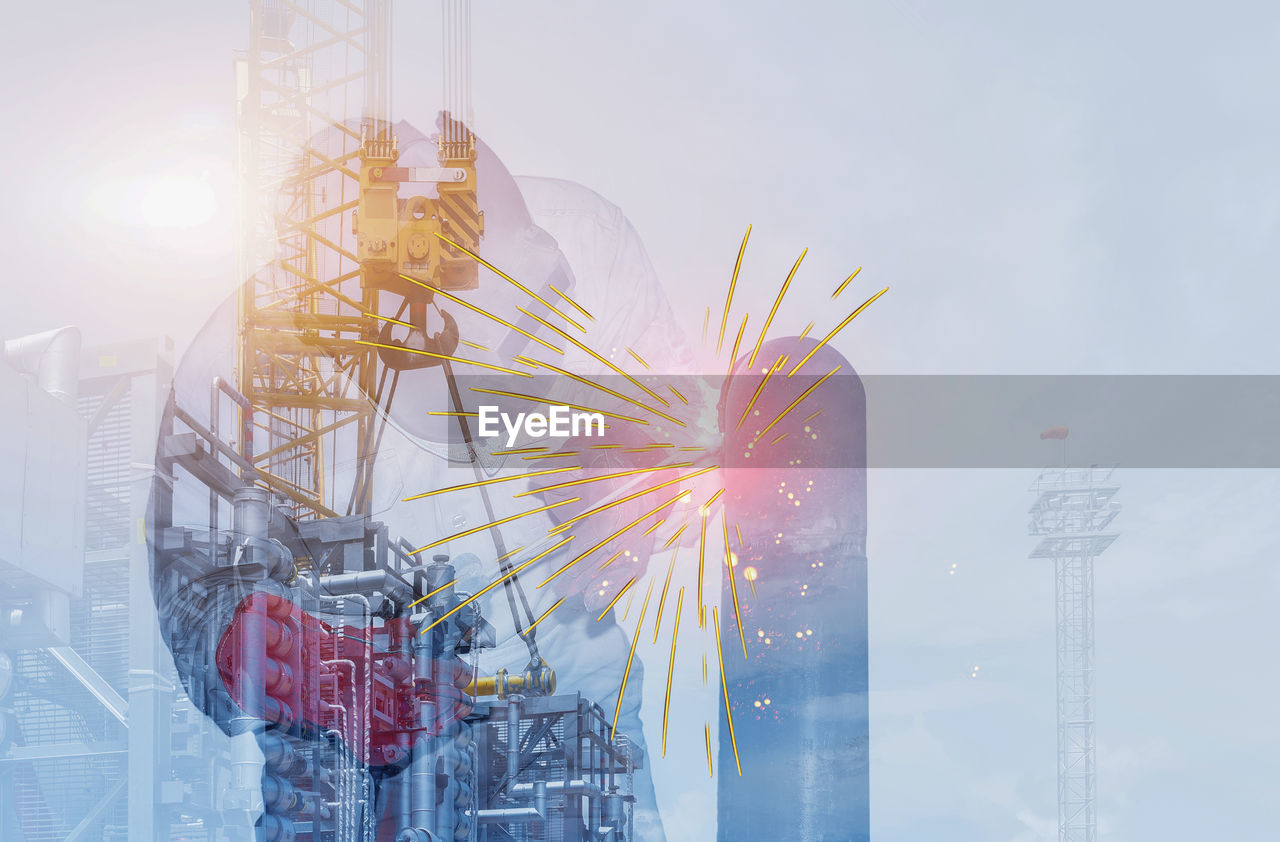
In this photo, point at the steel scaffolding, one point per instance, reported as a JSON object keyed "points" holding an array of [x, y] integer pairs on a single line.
{"points": [[1071, 514], [311, 67]]}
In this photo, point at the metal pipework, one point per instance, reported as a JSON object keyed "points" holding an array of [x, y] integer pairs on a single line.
{"points": [[513, 740], [53, 357], [422, 779], [576, 787], [367, 581], [511, 814], [251, 512], [540, 797], [246, 415], [540, 681]]}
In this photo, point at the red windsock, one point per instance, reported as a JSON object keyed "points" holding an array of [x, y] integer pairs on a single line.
{"points": [[1055, 433]]}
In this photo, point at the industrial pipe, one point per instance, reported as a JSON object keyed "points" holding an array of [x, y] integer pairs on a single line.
{"points": [[53, 357]]}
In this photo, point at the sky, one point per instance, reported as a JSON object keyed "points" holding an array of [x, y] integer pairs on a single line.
{"points": [[1069, 188]]}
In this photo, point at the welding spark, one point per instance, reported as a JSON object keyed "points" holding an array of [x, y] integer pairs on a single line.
{"points": [[837, 329], [733, 282], [451, 359], [733, 589], [724, 684], [605, 541], [456, 300], [737, 342], [575, 305], [536, 399], [508, 575], [626, 673], [764, 381], [614, 601], [586, 381], [797, 401], [599, 358], [545, 614], [616, 475], [498, 522], [840, 288], [778, 301], [495, 270], [492, 481], [598, 509], [671, 668], [662, 601]]}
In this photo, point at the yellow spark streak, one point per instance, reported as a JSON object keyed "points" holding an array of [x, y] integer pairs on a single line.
{"points": [[523, 360], [702, 557], [793, 404], [455, 414], [585, 480], [456, 300], [737, 343], [602, 543], [656, 524], [733, 282], [707, 730], [517, 450], [704, 654], [611, 560], [742, 545], [775, 441], [441, 357], [547, 613], [706, 320], [627, 672], [627, 610], [840, 288], [605, 446], [733, 589], [575, 305], [714, 497], [812, 416], [676, 392], [598, 509], [378, 318], [662, 601], [586, 381], [724, 683], [544, 400], [510, 574], [764, 381], [479, 483], [671, 668], [551, 455], [778, 301], [638, 358], [673, 538], [806, 330], [690, 449], [512, 281], [839, 328], [498, 522], [597, 357], [614, 601], [474, 345]]}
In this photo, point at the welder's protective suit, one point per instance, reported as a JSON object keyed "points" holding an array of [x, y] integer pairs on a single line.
{"points": [[550, 234]]}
